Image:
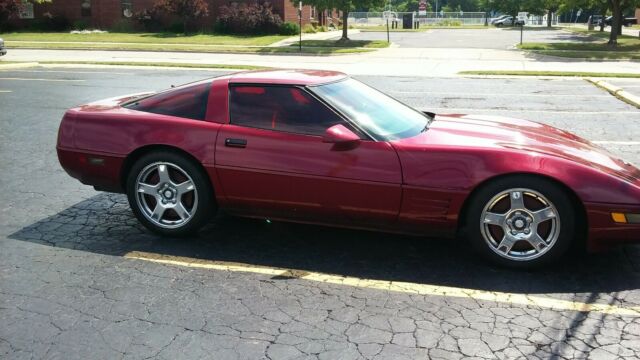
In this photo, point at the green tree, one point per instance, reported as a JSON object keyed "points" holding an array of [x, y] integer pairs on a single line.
{"points": [[10, 8], [343, 5], [187, 10]]}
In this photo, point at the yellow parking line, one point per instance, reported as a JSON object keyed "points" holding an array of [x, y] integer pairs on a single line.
{"points": [[34, 79], [396, 286]]}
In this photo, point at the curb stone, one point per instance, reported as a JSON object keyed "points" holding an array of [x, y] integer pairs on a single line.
{"points": [[617, 91]]}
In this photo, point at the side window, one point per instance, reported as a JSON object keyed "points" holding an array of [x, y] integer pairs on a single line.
{"points": [[187, 102], [279, 108]]}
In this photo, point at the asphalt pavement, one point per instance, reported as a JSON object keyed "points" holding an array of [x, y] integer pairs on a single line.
{"points": [[80, 278], [491, 38]]}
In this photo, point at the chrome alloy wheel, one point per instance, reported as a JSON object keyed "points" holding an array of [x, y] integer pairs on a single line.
{"points": [[166, 195], [520, 224]]}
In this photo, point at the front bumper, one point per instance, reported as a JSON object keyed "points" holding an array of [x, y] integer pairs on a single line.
{"points": [[604, 232]]}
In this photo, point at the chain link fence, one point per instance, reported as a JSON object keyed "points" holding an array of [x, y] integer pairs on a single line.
{"points": [[434, 19]]}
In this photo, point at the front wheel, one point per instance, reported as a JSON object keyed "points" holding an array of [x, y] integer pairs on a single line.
{"points": [[169, 194], [521, 221]]}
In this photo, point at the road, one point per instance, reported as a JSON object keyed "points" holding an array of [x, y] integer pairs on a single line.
{"points": [[491, 38], [79, 278]]}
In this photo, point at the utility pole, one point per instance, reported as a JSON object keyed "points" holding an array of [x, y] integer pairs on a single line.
{"points": [[300, 26]]}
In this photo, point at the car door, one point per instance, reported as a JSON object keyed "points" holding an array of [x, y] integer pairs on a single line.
{"points": [[271, 161]]}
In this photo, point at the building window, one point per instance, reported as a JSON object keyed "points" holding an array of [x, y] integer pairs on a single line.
{"points": [[85, 8], [25, 10], [313, 12], [127, 8]]}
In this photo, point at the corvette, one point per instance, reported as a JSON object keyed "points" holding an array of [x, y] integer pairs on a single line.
{"points": [[320, 147]]}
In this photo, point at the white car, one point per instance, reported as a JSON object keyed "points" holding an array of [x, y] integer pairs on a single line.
{"points": [[3, 50], [499, 18]]}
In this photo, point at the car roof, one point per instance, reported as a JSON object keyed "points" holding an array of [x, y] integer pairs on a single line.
{"points": [[289, 77]]}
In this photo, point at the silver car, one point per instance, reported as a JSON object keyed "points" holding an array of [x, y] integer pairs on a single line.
{"points": [[3, 50]]}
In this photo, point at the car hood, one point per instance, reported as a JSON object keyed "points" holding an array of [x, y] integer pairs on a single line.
{"points": [[477, 131]]}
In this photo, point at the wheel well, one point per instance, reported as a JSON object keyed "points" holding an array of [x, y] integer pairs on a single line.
{"points": [[139, 152], [581, 230]]}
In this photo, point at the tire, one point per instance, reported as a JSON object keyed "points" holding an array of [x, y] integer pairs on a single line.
{"points": [[521, 221], [170, 194], [499, 25]]}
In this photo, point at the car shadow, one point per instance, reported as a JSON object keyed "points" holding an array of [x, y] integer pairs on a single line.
{"points": [[104, 224]]}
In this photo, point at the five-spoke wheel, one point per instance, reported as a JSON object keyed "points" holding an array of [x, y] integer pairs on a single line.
{"points": [[520, 224], [166, 194], [169, 194], [521, 220]]}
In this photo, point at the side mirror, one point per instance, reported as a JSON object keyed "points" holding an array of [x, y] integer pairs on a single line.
{"points": [[339, 134]]}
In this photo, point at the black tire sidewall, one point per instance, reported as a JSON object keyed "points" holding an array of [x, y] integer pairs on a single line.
{"points": [[549, 189], [206, 201]]}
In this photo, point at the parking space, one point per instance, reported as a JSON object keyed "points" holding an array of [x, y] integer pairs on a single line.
{"points": [[490, 38], [80, 278]]}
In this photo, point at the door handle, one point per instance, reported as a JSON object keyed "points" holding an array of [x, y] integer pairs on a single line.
{"points": [[238, 143]]}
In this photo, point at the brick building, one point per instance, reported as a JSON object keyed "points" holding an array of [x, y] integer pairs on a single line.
{"points": [[104, 13]]}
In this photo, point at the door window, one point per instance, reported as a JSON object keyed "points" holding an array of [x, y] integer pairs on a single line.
{"points": [[279, 108]]}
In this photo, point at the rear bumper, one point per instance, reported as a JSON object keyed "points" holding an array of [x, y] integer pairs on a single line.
{"points": [[604, 232], [103, 171]]}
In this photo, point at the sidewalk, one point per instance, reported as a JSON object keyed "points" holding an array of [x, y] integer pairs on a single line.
{"points": [[625, 30], [327, 35], [389, 62]]}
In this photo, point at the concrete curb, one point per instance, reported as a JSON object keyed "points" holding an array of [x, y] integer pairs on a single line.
{"points": [[17, 65], [617, 91]]}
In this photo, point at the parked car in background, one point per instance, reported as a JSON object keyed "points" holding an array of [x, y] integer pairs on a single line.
{"points": [[3, 50], [501, 17], [319, 147], [625, 22], [507, 21]]}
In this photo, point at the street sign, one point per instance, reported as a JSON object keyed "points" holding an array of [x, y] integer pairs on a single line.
{"points": [[422, 7]]}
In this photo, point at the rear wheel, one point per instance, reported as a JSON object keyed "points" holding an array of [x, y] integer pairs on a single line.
{"points": [[521, 221], [169, 194]]}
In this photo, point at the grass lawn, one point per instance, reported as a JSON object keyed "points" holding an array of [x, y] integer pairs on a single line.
{"points": [[316, 50], [593, 46], [550, 73], [146, 38], [158, 64]]}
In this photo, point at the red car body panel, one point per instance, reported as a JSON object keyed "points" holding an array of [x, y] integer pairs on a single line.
{"points": [[415, 185]]}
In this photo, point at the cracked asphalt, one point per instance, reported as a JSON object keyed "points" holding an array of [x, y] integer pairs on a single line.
{"points": [[69, 288]]}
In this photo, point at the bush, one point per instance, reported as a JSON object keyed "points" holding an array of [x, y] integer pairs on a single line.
{"points": [[248, 19], [176, 27], [123, 26], [449, 22], [80, 24], [148, 20], [289, 28], [308, 29], [50, 22]]}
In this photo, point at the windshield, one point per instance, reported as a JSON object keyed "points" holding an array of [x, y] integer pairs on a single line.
{"points": [[379, 115]]}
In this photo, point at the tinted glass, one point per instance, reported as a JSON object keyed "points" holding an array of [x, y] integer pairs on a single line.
{"points": [[280, 108], [189, 101], [378, 114]]}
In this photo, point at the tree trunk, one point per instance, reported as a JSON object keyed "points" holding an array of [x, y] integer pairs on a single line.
{"points": [[549, 15], [604, 14], [345, 27], [185, 22], [615, 20], [620, 20]]}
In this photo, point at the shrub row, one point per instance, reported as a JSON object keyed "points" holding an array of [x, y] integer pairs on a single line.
{"points": [[243, 19]]}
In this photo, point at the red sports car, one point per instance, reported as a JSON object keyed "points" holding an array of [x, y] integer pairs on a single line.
{"points": [[319, 147]]}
